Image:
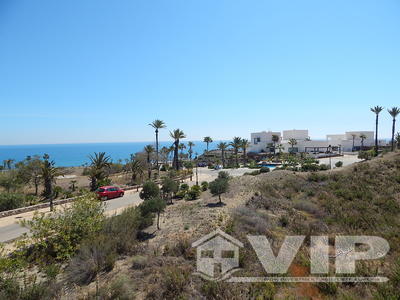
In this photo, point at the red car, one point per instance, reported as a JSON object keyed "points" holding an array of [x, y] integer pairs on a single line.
{"points": [[109, 192]]}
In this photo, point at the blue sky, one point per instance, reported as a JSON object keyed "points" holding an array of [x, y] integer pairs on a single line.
{"points": [[100, 71]]}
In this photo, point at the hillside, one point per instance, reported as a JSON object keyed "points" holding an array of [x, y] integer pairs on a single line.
{"points": [[362, 199]]}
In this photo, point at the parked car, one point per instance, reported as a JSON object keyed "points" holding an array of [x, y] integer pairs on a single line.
{"points": [[109, 192], [202, 164]]}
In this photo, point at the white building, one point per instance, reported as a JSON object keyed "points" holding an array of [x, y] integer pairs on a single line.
{"points": [[350, 141], [262, 141]]}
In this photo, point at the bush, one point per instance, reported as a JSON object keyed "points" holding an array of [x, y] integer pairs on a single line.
{"points": [[95, 255], [324, 167], [338, 164], [193, 193], [253, 173], [10, 201], [124, 228], [58, 234], [153, 205], [180, 194], [204, 186], [264, 170], [150, 189], [223, 175], [184, 187]]}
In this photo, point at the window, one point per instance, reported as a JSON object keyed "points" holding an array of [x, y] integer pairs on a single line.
{"points": [[257, 140]]}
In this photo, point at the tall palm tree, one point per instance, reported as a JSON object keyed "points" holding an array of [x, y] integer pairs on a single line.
{"points": [[157, 125], [177, 134], [354, 138], [393, 112], [244, 145], [149, 149], [292, 143], [222, 146], [99, 162], [190, 151], [362, 137], [275, 139], [171, 150], [49, 173], [207, 140], [236, 144], [164, 151], [377, 109]]}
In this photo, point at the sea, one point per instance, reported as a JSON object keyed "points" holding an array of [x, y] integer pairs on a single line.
{"points": [[74, 155]]}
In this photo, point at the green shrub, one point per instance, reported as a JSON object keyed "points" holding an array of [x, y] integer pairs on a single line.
{"points": [[219, 186], [223, 175], [338, 164], [184, 187], [150, 189], [10, 201], [58, 234], [324, 167], [204, 186], [193, 193], [180, 194], [253, 173]]}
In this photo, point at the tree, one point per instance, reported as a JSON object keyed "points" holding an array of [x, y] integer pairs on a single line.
{"points": [[154, 205], [393, 112], [49, 174], [136, 168], [222, 146], [236, 144], [181, 147], [157, 125], [207, 140], [149, 149], [218, 187], [377, 109], [244, 145], [362, 137], [190, 151], [354, 137], [169, 187], [164, 155], [292, 142], [99, 162], [275, 139], [150, 189], [34, 169], [177, 134]]}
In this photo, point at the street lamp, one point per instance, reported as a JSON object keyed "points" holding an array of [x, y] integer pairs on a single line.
{"points": [[197, 173]]}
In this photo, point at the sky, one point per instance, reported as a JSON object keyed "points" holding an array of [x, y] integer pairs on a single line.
{"points": [[74, 71]]}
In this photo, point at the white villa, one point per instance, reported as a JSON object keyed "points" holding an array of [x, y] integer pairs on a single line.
{"points": [[350, 141]]}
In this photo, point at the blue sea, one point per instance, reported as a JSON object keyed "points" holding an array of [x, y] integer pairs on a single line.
{"points": [[72, 155]]}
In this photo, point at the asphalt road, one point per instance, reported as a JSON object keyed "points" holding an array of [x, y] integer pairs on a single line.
{"points": [[14, 230]]}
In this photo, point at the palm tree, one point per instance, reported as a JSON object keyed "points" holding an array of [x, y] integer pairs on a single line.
{"points": [[244, 145], [165, 152], [362, 137], [236, 144], [49, 173], [354, 137], [292, 143], [157, 124], [177, 134], [149, 149], [222, 146], [207, 140], [377, 109], [275, 139], [393, 112], [190, 151], [171, 149], [99, 162], [136, 167]]}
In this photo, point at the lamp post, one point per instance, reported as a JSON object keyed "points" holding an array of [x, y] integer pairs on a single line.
{"points": [[197, 173]]}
